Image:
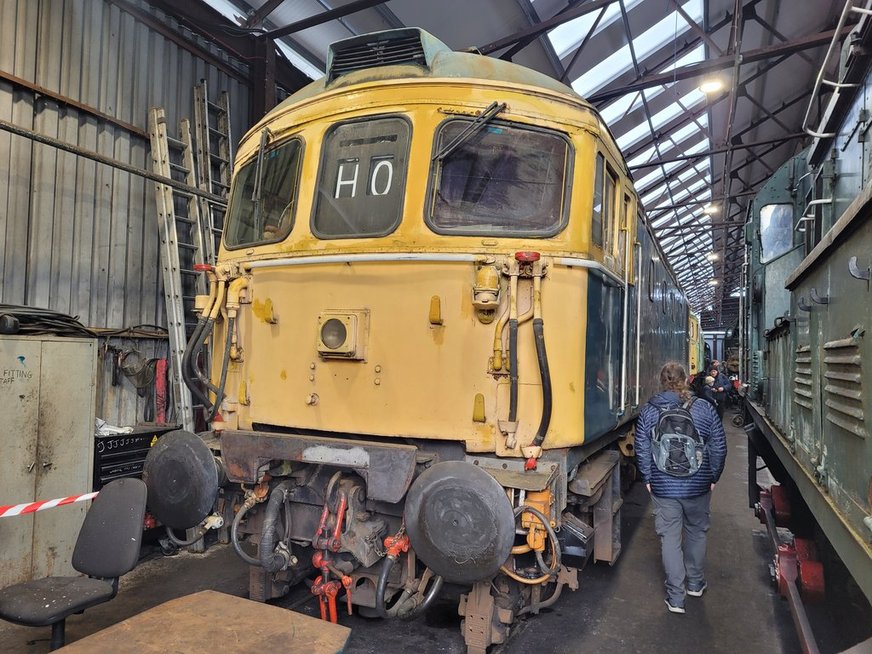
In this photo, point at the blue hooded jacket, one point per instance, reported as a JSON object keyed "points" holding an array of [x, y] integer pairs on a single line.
{"points": [[709, 426]]}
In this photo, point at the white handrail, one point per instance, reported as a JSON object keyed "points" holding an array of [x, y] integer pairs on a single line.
{"points": [[819, 80]]}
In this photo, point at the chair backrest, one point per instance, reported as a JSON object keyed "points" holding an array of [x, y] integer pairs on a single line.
{"points": [[108, 544]]}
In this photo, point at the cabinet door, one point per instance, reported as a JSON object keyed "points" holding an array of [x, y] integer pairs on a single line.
{"points": [[65, 455], [19, 408]]}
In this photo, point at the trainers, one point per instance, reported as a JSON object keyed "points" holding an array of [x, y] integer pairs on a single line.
{"points": [[697, 592], [674, 608]]}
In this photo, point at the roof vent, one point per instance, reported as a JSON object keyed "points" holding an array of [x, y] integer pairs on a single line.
{"points": [[389, 48]]}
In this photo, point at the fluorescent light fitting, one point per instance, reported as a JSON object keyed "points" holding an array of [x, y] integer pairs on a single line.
{"points": [[712, 256], [713, 282], [711, 85], [710, 209]]}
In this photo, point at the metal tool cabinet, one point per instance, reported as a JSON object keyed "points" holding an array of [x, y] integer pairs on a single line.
{"points": [[47, 404]]}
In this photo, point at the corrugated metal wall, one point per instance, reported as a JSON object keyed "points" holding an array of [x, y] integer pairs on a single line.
{"points": [[77, 236]]}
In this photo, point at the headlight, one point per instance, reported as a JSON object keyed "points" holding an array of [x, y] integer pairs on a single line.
{"points": [[342, 334], [333, 333]]}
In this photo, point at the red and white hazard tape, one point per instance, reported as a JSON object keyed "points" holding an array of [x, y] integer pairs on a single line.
{"points": [[31, 507]]}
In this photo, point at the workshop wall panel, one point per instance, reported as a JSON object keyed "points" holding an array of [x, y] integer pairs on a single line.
{"points": [[79, 236]]}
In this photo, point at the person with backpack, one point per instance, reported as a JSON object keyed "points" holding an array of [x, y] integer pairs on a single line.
{"points": [[681, 449]]}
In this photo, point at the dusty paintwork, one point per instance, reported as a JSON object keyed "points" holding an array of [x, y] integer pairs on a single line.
{"points": [[47, 443]]}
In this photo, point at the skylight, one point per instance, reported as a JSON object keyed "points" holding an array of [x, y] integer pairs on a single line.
{"points": [[652, 39], [567, 37], [658, 120]]}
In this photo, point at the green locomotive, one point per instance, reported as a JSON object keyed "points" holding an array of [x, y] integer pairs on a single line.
{"points": [[807, 309]]}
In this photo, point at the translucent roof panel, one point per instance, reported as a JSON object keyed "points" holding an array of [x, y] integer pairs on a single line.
{"points": [[682, 105], [567, 37], [665, 31]]}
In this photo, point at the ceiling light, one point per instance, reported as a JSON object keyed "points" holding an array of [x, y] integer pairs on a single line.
{"points": [[712, 256], [712, 85], [713, 282], [710, 209]]}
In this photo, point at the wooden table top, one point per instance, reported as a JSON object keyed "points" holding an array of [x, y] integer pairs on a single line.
{"points": [[214, 623]]}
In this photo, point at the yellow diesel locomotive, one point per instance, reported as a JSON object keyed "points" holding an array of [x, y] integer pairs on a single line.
{"points": [[436, 309]]}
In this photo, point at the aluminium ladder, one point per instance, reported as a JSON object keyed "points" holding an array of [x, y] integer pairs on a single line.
{"points": [[183, 238], [189, 224], [214, 159]]}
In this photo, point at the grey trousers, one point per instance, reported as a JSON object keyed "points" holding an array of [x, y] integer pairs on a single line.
{"points": [[683, 558]]}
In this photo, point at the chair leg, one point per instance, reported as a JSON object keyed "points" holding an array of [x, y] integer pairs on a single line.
{"points": [[57, 635]]}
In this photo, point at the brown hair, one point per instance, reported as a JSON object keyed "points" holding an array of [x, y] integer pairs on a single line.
{"points": [[673, 377]]}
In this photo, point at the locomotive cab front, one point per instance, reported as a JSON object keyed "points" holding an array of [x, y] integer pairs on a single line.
{"points": [[426, 319]]}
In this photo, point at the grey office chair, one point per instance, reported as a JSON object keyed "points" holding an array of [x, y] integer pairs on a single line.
{"points": [[107, 547]]}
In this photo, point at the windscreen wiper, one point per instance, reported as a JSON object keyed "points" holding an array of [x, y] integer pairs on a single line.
{"points": [[258, 175], [480, 122]]}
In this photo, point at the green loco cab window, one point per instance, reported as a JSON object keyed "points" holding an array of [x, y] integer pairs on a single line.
{"points": [[776, 231], [262, 211], [363, 178], [503, 181]]}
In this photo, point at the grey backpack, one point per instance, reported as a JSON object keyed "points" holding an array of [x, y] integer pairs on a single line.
{"points": [[676, 445]]}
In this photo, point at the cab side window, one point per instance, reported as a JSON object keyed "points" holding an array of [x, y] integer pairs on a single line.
{"points": [[605, 185]]}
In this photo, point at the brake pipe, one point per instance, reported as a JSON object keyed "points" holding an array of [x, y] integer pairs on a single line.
{"points": [[541, 355], [497, 361], [514, 272], [188, 372], [556, 553], [199, 337]]}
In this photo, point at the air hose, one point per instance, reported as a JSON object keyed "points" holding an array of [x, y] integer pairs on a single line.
{"points": [[270, 559], [513, 345], [556, 552], [187, 368], [513, 369], [395, 611], [545, 373], [234, 532], [219, 391], [178, 542]]}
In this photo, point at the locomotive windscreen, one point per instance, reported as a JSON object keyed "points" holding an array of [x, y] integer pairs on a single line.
{"points": [[504, 180], [362, 179], [262, 199]]}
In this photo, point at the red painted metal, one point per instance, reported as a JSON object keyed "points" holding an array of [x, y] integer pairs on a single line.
{"points": [[395, 545], [781, 505], [811, 581], [806, 550], [160, 391], [787, 572], [525, 256], [785, 567], [326, 592], [811, 571]]}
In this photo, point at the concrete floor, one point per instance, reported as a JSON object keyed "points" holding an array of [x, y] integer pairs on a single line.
{"points": [[616, 609]]}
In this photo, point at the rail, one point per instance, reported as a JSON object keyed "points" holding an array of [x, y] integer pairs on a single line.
{"points": [[789, 573]]}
